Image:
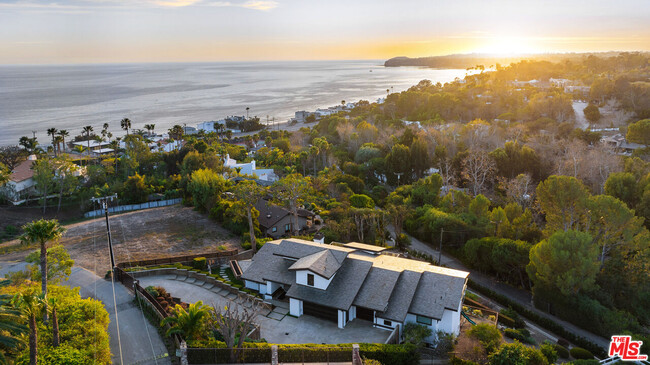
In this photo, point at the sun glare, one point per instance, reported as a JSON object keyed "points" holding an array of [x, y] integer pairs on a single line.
{"points": [[508, 45]]}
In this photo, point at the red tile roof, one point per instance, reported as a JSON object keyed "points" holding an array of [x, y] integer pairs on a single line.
{"points": [[23, 171]]}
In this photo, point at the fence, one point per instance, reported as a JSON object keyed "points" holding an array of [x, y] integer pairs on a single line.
{"points": [[130, 207], [322, 355], [230, 254]]}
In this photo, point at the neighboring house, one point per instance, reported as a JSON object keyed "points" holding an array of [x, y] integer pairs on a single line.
{"points": [[355, 280], [96, 147], [249, 168], [21, 182], [276, 221], [620, 144]]}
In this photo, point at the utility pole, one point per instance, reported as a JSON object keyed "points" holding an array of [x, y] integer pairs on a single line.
{"points": [[442, 230], [104, 203]]}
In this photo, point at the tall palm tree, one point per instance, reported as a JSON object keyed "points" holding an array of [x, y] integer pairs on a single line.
{"points": [[53, 308], [31, 305], [104, 131], [42, 231], [248, 193], [11, 327], [58, 140], [64, 133], [150, 128], [126, 124], [188, 323], [52, 132], [87, 129], [247, 109]]}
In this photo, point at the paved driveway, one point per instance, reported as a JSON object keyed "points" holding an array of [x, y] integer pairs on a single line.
{"points": [[276, 326], [141, 343]]}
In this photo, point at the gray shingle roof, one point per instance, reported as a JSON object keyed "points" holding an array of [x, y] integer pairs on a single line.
{"points": [[267, 266], [298, 249], [436, 292], [342, 290], [400, 301], [376, 290], [323, 263]]}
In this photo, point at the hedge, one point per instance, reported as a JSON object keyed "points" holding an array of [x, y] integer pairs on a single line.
{"points": [[506, 321], [386, 354], [581, 354], [519, 335], [456, 361], [562, 351], [538, 319], [200, 263]]}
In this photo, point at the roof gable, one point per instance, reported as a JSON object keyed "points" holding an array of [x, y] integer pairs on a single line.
{"points": [[323, 263]]}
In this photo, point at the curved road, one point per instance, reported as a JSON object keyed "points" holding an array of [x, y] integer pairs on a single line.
{"points": [[522, 297]]}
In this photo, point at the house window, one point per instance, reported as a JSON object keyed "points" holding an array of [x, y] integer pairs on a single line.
{"points": [[423, 320], [388, 323], [310, 279], [286, 228], [275, 229]]}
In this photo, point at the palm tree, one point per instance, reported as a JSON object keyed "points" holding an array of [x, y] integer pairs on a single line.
{"points": [[87, 129], [31, 305], [42, 231], [52, 132], [58, 140], [150, 128], [248, 193], [104, 131], [53, 307], [187, 323], [11, 327], [64, 133], [247, 109], [126, 124]]}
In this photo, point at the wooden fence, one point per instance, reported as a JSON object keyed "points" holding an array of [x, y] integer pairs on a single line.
{"points": [[229, 254]]}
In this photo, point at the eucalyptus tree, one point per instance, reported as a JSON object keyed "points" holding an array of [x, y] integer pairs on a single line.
{"points": [[248, 193]]}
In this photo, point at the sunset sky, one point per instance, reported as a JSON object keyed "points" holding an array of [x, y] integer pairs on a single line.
{"points": [[107, 31]]}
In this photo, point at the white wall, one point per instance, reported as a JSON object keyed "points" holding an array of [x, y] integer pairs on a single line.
{"points": [[295, 307], [252, 285], [450, 322], [352, 313], [434, 326], [342, 321], [380, 321], [319, 281]]}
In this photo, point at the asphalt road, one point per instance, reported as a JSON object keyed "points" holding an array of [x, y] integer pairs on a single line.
{"points": [[141, 343], [522, 297]]}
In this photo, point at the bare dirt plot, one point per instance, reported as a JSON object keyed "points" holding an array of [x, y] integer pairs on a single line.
{"points": [[145, 234]]}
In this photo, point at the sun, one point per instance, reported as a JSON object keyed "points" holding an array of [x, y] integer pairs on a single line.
{"points": [[504, 45]]}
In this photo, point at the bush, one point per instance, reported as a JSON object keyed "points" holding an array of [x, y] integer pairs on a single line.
{"points": [[200, 263], [562, 351], [457, 361], [152, 290], [488, 335], [538, 319], [506, 321], [517, 353], [370, 362], [563, 342], [511, 313], [581, 354], [520, 335], [549, 352]]}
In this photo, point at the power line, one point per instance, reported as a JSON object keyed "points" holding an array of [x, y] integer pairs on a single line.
{"points": [[104, 202]]}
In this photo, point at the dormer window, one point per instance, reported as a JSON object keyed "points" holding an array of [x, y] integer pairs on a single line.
{"points": [[310, 279]]}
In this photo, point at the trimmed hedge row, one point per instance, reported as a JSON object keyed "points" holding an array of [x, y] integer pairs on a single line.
{"points": [[581, 354], [540, 320], [406, 354]]}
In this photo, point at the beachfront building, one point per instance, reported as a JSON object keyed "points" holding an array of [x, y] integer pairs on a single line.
{"points": [[341, 283], [249, 168]]}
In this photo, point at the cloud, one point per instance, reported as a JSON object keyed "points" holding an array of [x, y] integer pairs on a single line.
{"points": [[263, 5], [175, 3]]}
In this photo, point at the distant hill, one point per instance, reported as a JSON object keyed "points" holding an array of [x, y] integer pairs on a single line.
{"points": [[471, 60]]}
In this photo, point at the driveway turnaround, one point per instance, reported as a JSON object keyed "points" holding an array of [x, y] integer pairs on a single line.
{"points": [[276, 326], [141, 342]]}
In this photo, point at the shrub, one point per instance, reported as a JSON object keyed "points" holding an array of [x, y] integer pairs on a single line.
{"points": [[457, 361], [506, 321], [200, 263], [581, 354], [488, 335], [511, 313], [563, 342], [370, 362], [416, 333], [523, 336], [562, 351], [549, 352], [517, 353]]}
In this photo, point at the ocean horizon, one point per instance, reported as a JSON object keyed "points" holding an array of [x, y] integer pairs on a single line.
{"points": [[38, 97]]}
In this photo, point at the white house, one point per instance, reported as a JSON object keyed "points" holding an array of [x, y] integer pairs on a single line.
{"points": [[249, 168], [21, 182], [357, 281]]}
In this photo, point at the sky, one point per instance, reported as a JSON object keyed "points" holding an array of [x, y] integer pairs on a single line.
{"points": [[115, 31]]}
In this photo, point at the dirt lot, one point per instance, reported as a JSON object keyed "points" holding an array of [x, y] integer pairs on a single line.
{"points": [[145, 234]]}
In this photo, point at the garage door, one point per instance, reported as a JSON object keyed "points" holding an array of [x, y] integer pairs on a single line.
{"points": [[316, 310], [365, 313]]}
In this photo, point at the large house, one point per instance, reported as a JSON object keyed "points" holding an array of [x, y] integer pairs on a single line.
{"points": [[250, 168], [276, 221], [345, 282]]}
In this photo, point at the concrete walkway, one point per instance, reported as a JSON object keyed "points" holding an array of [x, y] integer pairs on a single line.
{"points": [[141, 343], [520, 296]]}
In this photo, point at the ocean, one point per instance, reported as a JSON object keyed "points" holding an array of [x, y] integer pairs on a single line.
{"points": [[35, 98]]}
